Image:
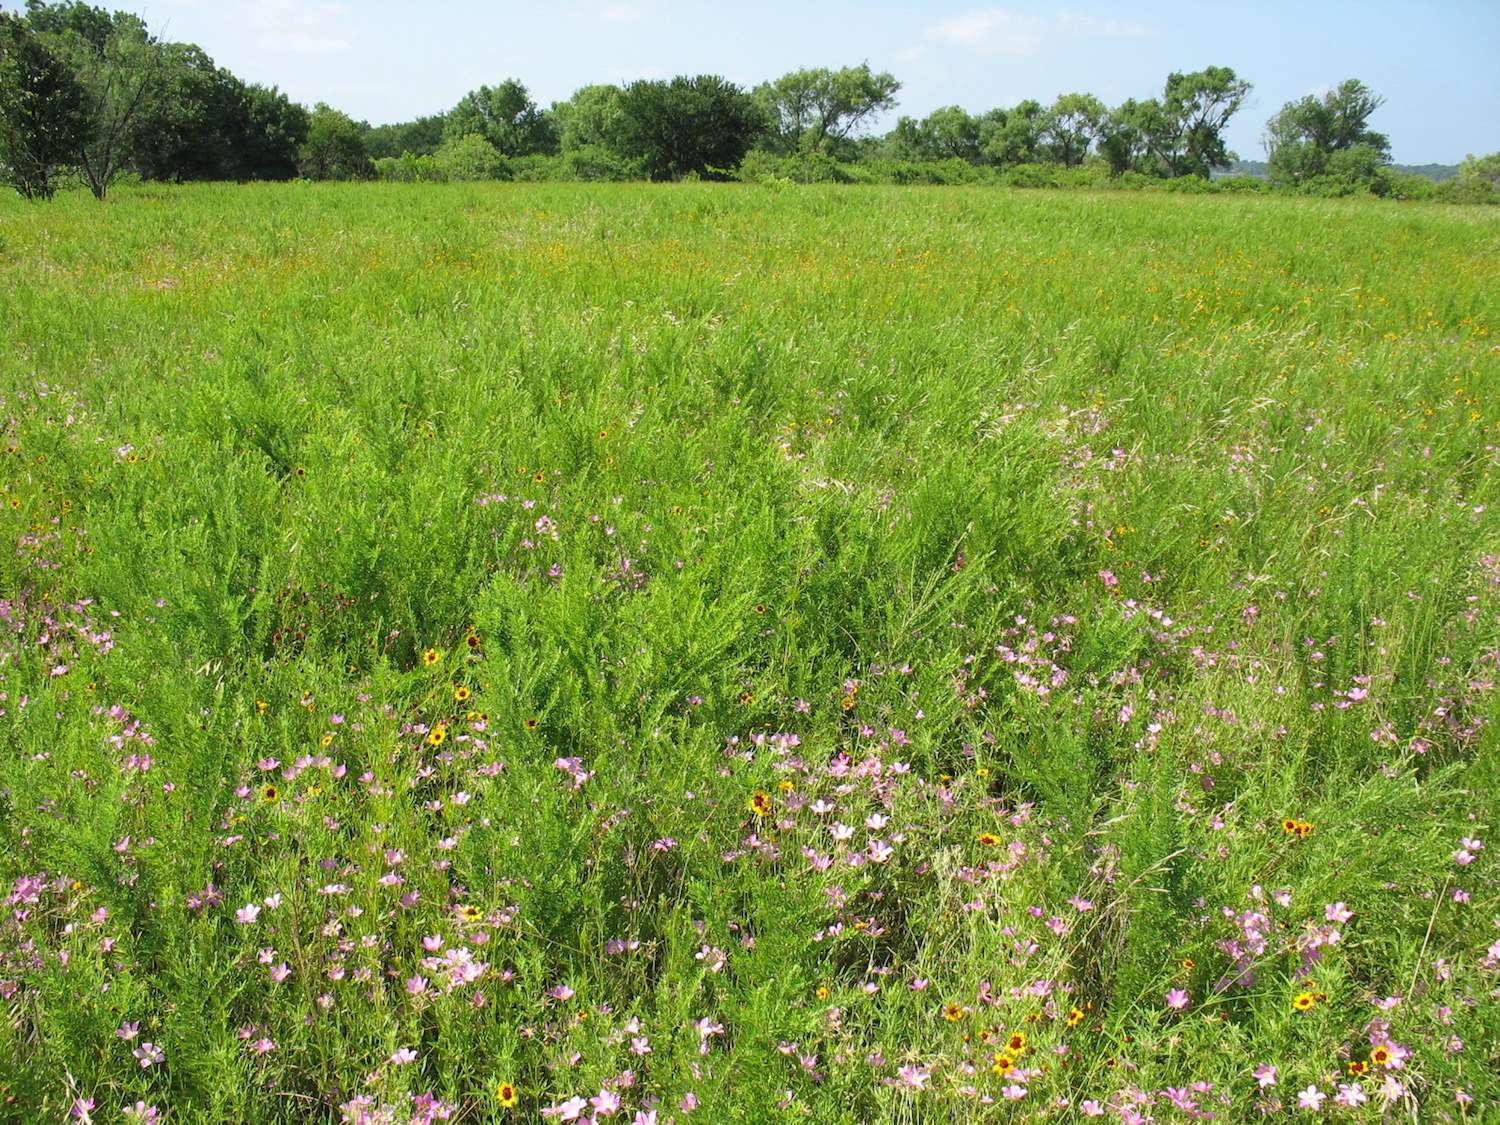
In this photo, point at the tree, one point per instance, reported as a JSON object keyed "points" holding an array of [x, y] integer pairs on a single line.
{"points": [[472, 157], [1302, 139], [505, 116], [688, 125], [1012, 136], [43, 119], [588, 118], [268, 130], [812, 110], [334, 149], [421, 137], [941, 135], [1071, 126], [1183, 132], [123, 70]]}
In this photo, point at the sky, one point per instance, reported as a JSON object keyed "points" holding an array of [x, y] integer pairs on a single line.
{"points": [[1435, 62]]}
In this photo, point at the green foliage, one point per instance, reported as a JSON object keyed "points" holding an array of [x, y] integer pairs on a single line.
{"points": [[813, 110], [782, 642], [506, 117], [471, 157], [43, 118], [334, 149], [420, 137], [1327, 137], [701, 125]]}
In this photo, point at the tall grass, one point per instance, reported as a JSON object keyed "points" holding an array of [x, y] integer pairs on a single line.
{"points": [[713, 652]]}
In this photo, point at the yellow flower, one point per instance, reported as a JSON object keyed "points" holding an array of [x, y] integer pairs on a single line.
{"points": [[462, 694], [507, 1095], [1003, 1065], [1304, 1001], [269, 793], [989, 839], [761, 804], [439, 735], [952, 1013], [1017, 1042], [430, 657]]}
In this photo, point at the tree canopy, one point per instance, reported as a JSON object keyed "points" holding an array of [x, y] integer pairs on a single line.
{"points": [[701, 125], [1304, 139], [811, 110]]}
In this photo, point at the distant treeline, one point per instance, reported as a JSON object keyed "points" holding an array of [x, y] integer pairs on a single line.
{"points": [[88, 97]]}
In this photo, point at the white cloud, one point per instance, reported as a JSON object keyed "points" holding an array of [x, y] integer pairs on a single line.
{"points": [[997, 31], [304, 27]]}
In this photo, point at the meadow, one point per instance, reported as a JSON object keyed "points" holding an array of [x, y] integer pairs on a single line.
{"points": [[747, 653]]}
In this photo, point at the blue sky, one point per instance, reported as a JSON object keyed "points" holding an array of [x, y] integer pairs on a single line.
{"points": [[1436, 62]]}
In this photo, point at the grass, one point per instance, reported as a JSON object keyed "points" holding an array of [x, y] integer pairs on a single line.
{"points": [[732, 653]]}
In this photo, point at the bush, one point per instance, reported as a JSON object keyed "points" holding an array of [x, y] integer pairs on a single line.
{"points": [[471, 157]]}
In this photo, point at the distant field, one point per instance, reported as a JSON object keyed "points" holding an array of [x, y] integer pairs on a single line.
{"points": [[737, 653]]}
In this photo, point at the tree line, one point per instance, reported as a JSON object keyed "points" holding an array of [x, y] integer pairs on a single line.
{"points": [[86, 95]]}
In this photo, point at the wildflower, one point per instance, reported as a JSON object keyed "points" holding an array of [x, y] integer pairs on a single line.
{"points": [[1003, 1064], [1311, 1098], [246, 915], [1076, 1017], [761, 804], [568, 1110], [1177, 999], [470, 913], [403, 1056], [269, 793], [1304, 1001], [147, 1054], [953, 1013], [1350, 1095], [141, 1114], [606, 1103], [507, 1095], [1017, 1042], [1264, 1075], [472, 640], [263, 1046], [913, 1077], [1337, 912], [462, 694], [989, 839], [439, 735], [430, 657]]}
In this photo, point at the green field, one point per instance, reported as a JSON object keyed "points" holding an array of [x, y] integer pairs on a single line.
{"points": [[747, 653]]}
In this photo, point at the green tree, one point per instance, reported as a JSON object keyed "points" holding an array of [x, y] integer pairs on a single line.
{"points": [[1302, 140], [1182, 133], [812, 110], [1071, 126], [1120, 139], [472, 157], [701, 125], [505, 116], [1013, 136], [334, 149], [421, 137], [267, 131], [588, 118], [44, 121], [125, 74]]}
